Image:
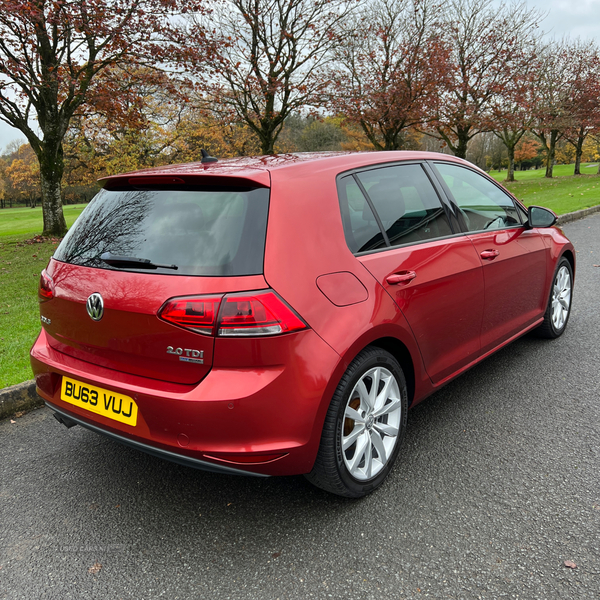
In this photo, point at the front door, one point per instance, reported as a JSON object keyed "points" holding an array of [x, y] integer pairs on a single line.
{"points": [[513, 258]]}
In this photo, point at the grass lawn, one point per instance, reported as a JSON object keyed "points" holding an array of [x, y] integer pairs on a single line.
{"points": [[28, 221], [20, 266], [563, 193]]}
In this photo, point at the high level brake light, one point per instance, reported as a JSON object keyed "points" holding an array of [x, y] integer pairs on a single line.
{"points": [[233, 315]]}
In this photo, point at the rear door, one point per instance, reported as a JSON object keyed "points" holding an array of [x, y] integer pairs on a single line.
{"points": [[513, 257], [399, 229]]}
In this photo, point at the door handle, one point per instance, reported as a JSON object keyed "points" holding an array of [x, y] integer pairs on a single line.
{"points": [[489, 254], [401, 277]]}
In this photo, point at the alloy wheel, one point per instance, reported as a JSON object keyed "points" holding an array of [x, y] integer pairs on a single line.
{"points": [[371, 423]]}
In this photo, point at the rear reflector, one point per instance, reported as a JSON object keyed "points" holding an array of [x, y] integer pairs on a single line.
{"points": [[246, 459], [46, 288], [233, 315]]}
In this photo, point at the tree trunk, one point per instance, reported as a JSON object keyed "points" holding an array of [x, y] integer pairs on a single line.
{"points": [[460, 150], [267, 143], [462, 134], [551, 152], [51, 172], [579, 151], [510, 175]]}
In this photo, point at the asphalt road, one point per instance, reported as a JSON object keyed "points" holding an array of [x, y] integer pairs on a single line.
{"points": [[498, 485]]}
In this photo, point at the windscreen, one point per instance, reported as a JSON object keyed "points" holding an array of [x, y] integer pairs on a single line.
{"points": [[178, 232]]}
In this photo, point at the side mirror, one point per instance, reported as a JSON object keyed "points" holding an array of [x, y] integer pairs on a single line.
{"points": [[537, 216]]}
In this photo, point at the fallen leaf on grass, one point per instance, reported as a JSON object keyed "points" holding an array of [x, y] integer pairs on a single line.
{"points": [[570, 564], [95, 568]]}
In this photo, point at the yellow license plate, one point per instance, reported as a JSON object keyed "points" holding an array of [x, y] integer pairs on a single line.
{"points": [[111, 405]]}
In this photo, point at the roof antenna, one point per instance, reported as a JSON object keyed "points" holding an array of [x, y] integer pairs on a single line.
{"points": [[206, 158]]}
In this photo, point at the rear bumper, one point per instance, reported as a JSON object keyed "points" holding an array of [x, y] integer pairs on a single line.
{"points": [[171, 456], [265, 420]]}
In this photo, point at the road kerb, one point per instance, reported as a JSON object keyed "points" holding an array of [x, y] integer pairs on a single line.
{"points": [[578, 214], [17, 398]]}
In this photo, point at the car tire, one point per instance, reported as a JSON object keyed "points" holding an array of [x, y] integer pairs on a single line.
{"points": [[364, 427], [559, 304]]}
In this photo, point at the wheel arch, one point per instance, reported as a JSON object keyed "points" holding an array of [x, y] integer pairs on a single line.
{"points": [[401, 353], [571, 258]]}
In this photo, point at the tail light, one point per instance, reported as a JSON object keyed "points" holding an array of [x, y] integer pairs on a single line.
{"points": [[46, 289], [198, 314], [233, 315]]}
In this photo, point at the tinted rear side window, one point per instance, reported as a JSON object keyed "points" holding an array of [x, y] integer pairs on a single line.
{"points": [[360, 226], [407, 204], [203, 232]]}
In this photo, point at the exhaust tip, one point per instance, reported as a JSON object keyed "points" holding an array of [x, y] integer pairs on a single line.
{"points": [[68, 423]]}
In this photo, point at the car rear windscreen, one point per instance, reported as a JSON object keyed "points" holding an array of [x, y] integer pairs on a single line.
{"points": [[214, 232]]}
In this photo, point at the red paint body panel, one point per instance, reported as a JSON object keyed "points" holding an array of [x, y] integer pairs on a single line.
{"points": [[130, 337], [445, 297], [270, 407], [342, 289], [515, 282], [268, 396]]}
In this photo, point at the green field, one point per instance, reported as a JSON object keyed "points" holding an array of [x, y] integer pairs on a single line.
{"points": [[20, 266], [563, 193], [21, 261], [28, 221]]}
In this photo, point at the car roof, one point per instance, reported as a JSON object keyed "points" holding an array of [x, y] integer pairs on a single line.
{"points": [[258, 168]]}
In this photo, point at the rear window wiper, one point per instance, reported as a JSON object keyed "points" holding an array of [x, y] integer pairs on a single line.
{"points": [[133, 262]]}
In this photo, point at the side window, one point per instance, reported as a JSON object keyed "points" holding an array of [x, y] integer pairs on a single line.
{"points": [[483, 205], [406, 203], [360, 226]]}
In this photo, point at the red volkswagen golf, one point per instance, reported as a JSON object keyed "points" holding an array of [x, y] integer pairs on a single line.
{"points": [[279, 315]]}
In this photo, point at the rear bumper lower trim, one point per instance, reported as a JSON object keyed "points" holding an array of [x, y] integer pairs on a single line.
{"points": [[186, 461]]}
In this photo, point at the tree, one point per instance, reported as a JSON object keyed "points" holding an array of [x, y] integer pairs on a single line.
{"points": [[2, 183], [51, 51], [24, 177], [131, 125], [526, 150], [510, 112], [483, 38], [273, 60], [554, 88], [393, 63], [200, 129], [21, 174], [584, 101]]}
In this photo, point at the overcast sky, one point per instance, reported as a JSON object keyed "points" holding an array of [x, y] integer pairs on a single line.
{"points": [[565, 18]]}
